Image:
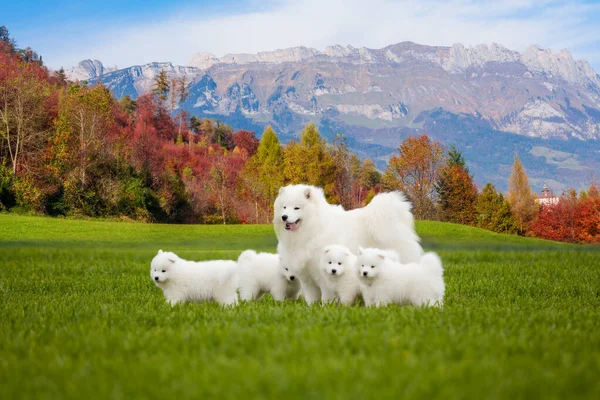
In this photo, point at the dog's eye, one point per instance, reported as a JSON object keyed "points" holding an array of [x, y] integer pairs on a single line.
{"points": [[284, 207], [164, 270], [286, 269], [339, 263], [329, 262], [372, 266], [296, 208]]}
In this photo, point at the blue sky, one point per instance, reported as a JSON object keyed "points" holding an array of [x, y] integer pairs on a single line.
{"points": [[126, 33]]}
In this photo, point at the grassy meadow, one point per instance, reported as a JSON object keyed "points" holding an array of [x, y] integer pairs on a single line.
{"points": [[80, 318]]}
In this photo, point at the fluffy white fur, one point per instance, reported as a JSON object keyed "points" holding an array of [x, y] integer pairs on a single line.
{"points": [[305, 223], [339, 269], [185, 281], [386, 281], [262, 273]]}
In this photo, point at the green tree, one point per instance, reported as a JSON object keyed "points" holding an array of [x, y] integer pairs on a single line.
{"points": [[128, 104], [456, 192], [519, 195], [263, 174], [493, 212], [161, 85], [310, 162]]}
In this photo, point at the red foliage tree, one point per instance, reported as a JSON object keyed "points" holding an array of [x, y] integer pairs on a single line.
{"points": [[246, 140]]}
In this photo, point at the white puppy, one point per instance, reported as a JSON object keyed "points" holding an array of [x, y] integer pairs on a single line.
{"points": [[339, 269], [183, 281], [262, 273], [385, 281], [305, 223]]}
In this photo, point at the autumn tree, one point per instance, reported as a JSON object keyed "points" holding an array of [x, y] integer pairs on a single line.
{"points": [[572, 219], [342, 161], [414, 171], [519, 195], [247, 141], [23, 93], [456, 192], [493, 212]]}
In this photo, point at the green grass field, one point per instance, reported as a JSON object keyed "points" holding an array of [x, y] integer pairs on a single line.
{"points": [[81, 319]]}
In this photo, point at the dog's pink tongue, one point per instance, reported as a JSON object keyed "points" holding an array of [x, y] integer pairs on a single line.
{"points": [[293, 226]]}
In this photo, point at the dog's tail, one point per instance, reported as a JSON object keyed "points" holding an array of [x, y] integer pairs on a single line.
{"points": [[432, 263], [391, 206], [247, 255], [390, 223]]}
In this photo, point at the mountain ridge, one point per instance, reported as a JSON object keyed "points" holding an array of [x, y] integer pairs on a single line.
{"points": [[378, 96]]}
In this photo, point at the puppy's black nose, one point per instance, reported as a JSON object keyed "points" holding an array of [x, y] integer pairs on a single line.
{"points": [[156, 278], [284, 217], [333, 271], [292, 278], [364, 273]]}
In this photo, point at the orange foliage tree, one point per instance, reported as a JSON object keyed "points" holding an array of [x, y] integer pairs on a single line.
{"points": [[414, 171]]}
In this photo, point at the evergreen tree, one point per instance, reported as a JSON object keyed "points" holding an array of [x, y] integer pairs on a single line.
{"points": [[161, 85], [521, 199], [456, 192], [128, 104], [493, 212]]}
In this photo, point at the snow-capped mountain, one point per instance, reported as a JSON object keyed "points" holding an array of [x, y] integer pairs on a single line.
{"points": [[473, 95]]}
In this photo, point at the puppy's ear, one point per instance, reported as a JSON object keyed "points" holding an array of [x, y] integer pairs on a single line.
{"points": [[307, 193], [281, 189], [381, 255], [160, 252], [172, 261], [327, 250], [360, 250]]}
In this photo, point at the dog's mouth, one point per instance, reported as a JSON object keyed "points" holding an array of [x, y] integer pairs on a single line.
{"points": [[292, 226]]}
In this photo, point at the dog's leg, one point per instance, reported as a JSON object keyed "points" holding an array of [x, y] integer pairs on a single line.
{"points": [[310, 291], [327, 295]]}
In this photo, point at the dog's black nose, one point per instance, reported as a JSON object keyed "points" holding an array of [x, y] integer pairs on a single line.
{"points": [[284, 217], [156, 278], [292, 278], [365, 273], [333, 271]]}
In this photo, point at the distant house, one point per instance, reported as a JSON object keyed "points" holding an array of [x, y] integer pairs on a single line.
{"points": [[547, 197]]}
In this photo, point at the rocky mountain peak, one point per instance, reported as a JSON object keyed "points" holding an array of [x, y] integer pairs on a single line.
{"points": [[560, 65], [88, 69]]}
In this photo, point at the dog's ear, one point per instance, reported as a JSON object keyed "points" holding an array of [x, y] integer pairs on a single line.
{"points": [[307, 193], [360, 250], [381, 255], [172, 261], [327, 250], [160, 251], [281, 189]]}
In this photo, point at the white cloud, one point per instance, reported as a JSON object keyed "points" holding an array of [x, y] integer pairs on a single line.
{"points": [[318, 23]]}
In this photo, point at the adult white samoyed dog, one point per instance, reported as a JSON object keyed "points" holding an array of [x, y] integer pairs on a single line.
{"points": [[305, 223], [199, 281]]}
